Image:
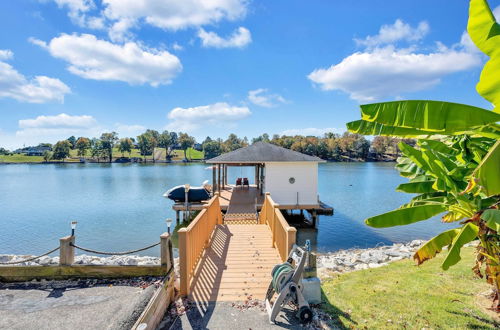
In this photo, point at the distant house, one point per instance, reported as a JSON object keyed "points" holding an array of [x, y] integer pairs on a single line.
{"points": [[33, 151], [197, 146]]}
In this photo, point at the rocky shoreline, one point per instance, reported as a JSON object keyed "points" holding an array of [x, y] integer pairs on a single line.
{"points": [[357, 259], [128, 260]]}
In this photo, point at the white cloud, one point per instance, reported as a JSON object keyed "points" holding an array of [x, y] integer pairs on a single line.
{"points": [[388, 71], [40, 89], [59, 121], [78, 12], [51, 129], [311, 131], [217, 114], [33, 131], [174, 14], [238, 39], [398, 31], [496, 12], [262, 98], [92, 58], [6, 54], [125, 130]]}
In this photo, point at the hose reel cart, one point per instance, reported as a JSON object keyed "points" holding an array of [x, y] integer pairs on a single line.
{"points": [[287, 284]]}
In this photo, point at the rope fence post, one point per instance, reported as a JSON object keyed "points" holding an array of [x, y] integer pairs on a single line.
{"points": [[66, 251], [166, 253]]}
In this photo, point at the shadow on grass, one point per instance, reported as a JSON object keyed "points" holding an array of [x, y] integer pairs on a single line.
{"points": [[335, 313], [486, 324]]}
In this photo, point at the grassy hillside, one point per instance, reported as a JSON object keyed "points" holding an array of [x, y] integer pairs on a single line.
{"points": [[160, 154], [404, 296]]}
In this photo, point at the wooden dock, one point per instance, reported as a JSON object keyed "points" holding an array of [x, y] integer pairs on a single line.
{"points": [[252, 196], [223, 261], [236, 265]]}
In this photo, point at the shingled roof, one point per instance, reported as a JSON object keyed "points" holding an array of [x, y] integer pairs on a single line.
{"points": [[261, 152]]}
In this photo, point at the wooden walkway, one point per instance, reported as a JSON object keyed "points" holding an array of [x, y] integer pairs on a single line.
{"points": [[242, 208], [236, 265]]}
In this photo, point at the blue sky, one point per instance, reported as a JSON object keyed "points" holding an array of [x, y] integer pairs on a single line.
{"points": [[82, 67]]}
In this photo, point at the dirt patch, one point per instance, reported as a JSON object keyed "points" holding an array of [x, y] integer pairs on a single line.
{"points": [[484, 301]]}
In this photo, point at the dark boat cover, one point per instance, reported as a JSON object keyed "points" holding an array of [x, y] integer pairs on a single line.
{"points": [[195, 194]]}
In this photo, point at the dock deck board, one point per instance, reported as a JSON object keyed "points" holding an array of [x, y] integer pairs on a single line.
{"points": [[236, 265]]}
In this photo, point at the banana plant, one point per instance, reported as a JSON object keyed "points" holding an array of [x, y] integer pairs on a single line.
{"points": [[454, 168]]}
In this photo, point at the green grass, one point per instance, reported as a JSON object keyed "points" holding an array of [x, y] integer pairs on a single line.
{"points": [[178, 155], [404, 296]]}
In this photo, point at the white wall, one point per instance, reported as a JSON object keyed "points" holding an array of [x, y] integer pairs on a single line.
{"points": [[283, 192]]}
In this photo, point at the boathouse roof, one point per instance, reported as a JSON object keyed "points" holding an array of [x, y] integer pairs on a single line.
{"points": [[261, 152]]}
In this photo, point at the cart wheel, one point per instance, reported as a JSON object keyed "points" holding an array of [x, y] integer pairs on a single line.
{"points": [[305, 314]]}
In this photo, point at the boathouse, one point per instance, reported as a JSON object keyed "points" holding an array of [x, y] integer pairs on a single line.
{"points": [[291, 177]]}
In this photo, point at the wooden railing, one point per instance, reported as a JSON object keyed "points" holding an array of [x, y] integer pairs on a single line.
{"points": [[194, 239], [284, 235]]}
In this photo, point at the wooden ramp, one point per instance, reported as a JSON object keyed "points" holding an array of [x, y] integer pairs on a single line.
{"points": [[236, 265], [242, 206]]}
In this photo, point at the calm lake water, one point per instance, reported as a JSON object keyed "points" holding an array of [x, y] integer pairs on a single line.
{"points": [[120, 206]]}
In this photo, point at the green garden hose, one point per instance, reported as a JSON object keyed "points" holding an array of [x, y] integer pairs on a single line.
{"points": [[279, 275]]}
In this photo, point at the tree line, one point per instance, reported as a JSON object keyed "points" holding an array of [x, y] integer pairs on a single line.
{"points": [[334, 147]]}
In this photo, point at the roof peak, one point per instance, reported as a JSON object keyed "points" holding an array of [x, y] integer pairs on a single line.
{"points": [[262, 152]]}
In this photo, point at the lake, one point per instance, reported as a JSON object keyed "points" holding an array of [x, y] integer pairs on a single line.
{"points": [[120, 206]]}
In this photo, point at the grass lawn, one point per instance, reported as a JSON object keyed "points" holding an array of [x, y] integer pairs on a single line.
{"points": [[178, 154], [404, 296], [20, 159]]}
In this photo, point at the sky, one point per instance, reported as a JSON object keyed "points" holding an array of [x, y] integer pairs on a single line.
{"points": [[211, 68]]}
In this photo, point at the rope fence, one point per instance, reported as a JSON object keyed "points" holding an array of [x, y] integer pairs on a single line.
{"points": [[114, 253], [29, 259]]}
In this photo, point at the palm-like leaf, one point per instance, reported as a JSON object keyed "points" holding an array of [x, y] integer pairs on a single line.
{"points": [[488, 173], [467, 234], [405, 216], [485, 33], [435, 245]]}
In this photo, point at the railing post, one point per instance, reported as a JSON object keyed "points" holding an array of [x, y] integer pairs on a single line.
{"points": [[183, 262], [291, 237], [166, 253], [66, 251], [274, 222]]}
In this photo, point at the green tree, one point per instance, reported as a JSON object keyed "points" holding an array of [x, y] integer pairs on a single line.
{"points": [[61, 149], [72, 140], [458, 174], [212, 149], [166, 141], [145, 144], [125, 145], [96, 149], [47, 156], [82, 145], [186, 141], [155, 138], [108, 141]]}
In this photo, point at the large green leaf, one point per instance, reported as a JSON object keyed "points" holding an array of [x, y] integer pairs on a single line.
{"points": [[492, 218], [435, 116], [416, 187], [435, 245], [467, 234], [487, 172], [404, 216], [485, 33], [372, 128]]}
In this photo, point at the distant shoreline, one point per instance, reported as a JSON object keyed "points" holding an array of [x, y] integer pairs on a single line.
{"points": [[149, 162]]}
